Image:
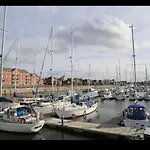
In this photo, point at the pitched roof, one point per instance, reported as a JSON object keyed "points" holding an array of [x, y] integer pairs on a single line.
{"points": [[31, 74], [11, 69], [7, 69], [21, 70]]}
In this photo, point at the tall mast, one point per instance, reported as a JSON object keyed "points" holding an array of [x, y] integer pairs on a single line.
{"points": [[16, 64], [2, 51], [34, 72], [126, 73], [107, 73], [134, 61], [130, 78], [116, 74], [71, 57], [119, 70], [132, 68], [52, 57], [42, 65], [146, 76], [89, 74]]}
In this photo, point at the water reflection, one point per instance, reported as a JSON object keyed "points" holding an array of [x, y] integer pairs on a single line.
{"points": [[19, 136]]}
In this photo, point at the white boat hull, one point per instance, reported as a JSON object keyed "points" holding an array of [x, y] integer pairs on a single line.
{"points": [[77, 112], [21, 128], [92, 94], [120, 97], [136, 123], [1, 113], [44, 110], [147, 97], [52, 107]]}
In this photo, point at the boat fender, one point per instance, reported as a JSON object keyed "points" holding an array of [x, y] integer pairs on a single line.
{"points": [[74, 116], [41, 116], [84, 114], [22, 120], [96, 109]]}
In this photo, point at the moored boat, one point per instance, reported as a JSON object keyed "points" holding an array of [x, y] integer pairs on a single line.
{"points": [[135, 116], [77, 110], [21, 119]]}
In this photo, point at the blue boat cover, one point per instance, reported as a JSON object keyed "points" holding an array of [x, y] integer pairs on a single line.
{"points": [[3, 99], [136, 106], [21, 96], [136, 112]]}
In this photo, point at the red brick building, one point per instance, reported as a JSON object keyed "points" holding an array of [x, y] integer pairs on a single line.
{"points": [[23, 77], [34, 78]]}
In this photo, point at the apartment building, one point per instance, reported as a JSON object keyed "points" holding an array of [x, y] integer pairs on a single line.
{"points": [[23, 77]]}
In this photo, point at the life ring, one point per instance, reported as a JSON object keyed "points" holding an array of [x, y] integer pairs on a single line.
{"points": [[22, 120], [74, 116]]}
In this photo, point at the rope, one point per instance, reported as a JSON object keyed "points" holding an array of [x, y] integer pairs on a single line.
{"points": [[10, 50], [42, 65]]}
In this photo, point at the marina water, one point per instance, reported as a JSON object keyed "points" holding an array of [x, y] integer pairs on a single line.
{"points": [[106, 110]]}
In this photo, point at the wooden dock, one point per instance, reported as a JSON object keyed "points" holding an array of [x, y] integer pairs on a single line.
{"points": [[97, 131]]}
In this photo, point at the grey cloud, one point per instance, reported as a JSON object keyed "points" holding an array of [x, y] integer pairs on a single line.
{"points": [[114, 35], [95, 33]]}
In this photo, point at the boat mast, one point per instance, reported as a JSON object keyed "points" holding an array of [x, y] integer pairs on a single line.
{"points": [[132, 80], [52, 58], [107, 73], [119, 70], [116, 74], [146, 76], [71, 57], [126, 73], [2, 51], [34, 72], [16, 64], [42, 65], [134, 61], [89, 77]]}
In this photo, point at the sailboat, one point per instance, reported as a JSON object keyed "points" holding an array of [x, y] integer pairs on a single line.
{"points": [[76, 109], [133, 92], [11, 119], [4, 102], [46, 105], [120, 93], [91, 92], [16, 68], [135, 115], [147, 94], [33, 77]]}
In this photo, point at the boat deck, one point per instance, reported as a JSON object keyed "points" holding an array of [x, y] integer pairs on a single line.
{"points": [[109, 130]]}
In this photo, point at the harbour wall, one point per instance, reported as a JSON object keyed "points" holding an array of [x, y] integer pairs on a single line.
{"points": [[24, 90]]}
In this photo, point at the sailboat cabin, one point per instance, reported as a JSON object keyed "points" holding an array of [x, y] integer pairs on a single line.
{"points": [[136, 112]]}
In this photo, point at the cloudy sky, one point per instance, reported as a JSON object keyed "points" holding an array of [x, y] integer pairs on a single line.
{"points": [[101, 36]]}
